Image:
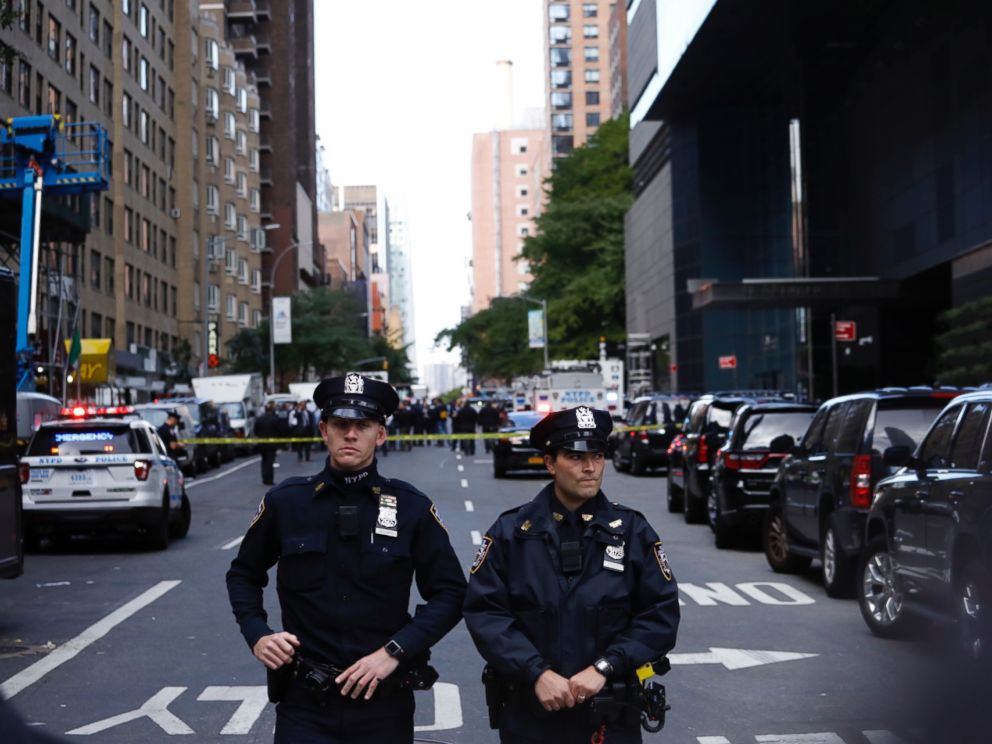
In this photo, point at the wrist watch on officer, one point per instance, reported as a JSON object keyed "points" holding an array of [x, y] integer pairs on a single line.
{"points": [[394, 649], [604, 667]]}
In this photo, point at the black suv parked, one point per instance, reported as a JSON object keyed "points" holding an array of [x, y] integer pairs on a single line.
{"points": [[821, 495], [761, 435], [637, 451], [705, 431], [929, 533]]}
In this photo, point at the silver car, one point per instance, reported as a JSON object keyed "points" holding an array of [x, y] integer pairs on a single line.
{"points": [[102, 470]]}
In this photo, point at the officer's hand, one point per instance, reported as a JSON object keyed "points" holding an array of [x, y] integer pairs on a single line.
{"points": [[366, 673], [586, 684], [553, 691], [276, 649]]}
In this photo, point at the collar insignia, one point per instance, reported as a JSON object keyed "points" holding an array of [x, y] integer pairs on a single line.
{"points": [[616, 523], [558, 516], [525, 526], [587, 517], [319, 488]]}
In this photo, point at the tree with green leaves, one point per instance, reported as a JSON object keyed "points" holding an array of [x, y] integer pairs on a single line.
{"points": [[965, 348], [577, 260], [328, 338]]}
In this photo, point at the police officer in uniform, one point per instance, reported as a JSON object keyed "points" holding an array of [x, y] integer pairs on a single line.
{"points": [[167, 433], [348, 543], [569, 594]]}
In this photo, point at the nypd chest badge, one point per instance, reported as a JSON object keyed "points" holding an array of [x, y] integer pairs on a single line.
{"points": [[388, 519], [613, 557]]}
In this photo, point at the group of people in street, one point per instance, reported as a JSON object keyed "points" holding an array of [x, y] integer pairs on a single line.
{"points": [[294, 420], [567, 597], [434, 416]]}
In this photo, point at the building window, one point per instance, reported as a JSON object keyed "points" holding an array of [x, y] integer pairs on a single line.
{"points": [[213, 149], [143, 20], [143, 126], [523, 231], [54, 38], [24, 84], [242, 271], [242, 184], [213, 297], [592, 76], [94, 85], [213, 198], [561, 122], [232, 307], [561, 57], [592, 119], [561, 144], [94, 24], [243, 315], [560, 100], [229, 170], [522, 210], [6, 78], [561, 78], [230, 124], [558, 12], [230, 215], [253, 160], [253, 121], [241, 144], [211, 54], [591, 54], [560, 34], [590, 10], [590, 31], [70, 54], [256, 200], [242, 100], [521, 170], [213, 104], [592, 97], [229, 80], [518, 145], [126, 54], [256, 281], [143, 73], [522, 191], [54, 100]]}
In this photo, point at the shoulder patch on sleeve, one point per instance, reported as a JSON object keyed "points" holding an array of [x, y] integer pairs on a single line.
{"points": [[481, 554], [258, 513], [659, 554], [437, 517]]}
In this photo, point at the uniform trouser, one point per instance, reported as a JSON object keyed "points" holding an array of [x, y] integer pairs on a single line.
{"points": [[268, 453], [300, 720]]}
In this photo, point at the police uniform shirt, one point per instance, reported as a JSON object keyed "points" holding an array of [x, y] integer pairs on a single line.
{"points": [[526, 615], [344, 589]]}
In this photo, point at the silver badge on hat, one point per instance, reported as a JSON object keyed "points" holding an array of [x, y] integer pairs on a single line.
{"points": [[354, 384], [613, 558], [387, 520], [584, 418]]}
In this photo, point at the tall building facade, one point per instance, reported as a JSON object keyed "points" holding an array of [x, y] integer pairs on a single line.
{"points": [[401, 285], [577, 70], [508, 172]]}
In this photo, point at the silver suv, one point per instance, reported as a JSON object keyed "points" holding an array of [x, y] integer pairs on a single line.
{"points": [[102, 469]]}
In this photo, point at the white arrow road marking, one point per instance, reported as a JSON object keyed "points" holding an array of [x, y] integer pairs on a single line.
{"points": [[738, 658], [156, 709], [201, 481], [253, 701], [233, 544], [447, 708], [69, 649], [476, 537], [469, 506]]}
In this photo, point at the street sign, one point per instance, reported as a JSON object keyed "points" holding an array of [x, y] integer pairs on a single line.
{"points": [[213, 344], [728, 362], [845, 330]]}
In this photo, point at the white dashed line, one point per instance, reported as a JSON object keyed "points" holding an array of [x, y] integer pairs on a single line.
{"points": [[461, 468], [464, 483], [476, 537], [233, 544], [201, 481], [68, 650], [469, 506]]}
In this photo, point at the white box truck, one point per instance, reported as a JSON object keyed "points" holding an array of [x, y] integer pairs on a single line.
{"points": [[241, 396]]}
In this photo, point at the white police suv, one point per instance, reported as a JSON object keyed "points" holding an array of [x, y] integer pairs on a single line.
{"points": [[100, 469]]}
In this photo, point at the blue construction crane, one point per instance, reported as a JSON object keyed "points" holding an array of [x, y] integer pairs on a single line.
{"points": [[43, 154]]}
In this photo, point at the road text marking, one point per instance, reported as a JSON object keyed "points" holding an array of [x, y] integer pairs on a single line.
{"points": [[69, 649], [763, 592], [447, 708], [253, 701], [156, 709]]}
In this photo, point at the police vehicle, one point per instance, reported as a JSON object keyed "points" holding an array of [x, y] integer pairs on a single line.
{"points": [[100, 469]]}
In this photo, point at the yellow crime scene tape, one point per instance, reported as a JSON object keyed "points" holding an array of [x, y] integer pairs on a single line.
{"points": [[397, 437]]}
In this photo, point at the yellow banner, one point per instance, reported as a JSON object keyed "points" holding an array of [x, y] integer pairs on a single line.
{"points": [[96, 363]]}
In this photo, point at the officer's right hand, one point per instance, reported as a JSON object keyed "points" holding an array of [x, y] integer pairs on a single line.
{"points": [[276, 649], [553, 691]]}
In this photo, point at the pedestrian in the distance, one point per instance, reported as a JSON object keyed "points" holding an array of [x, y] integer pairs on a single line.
{"points": [[464, 423], [569, 595], [489, 422], [269, 426], [300, 428], [349, 542]]}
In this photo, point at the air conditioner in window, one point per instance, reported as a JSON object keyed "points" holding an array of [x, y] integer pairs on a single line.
{"points": [[175, 213]]}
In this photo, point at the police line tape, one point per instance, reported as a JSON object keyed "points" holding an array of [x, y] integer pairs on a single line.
{"points": [[394, 437]]}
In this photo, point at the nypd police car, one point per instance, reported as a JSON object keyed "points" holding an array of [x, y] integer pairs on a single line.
{"points": [[102, 469]]}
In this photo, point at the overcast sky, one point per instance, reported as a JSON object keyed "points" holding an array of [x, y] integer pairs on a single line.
{"points": [[401, 86]]}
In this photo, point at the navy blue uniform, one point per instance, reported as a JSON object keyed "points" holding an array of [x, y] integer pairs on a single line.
{"points": [[526, 615], [346, 596]]}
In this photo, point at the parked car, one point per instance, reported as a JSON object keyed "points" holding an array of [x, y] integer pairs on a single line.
{"points": [[102, 469], [705, 432], [512, 451], [637, 451], [928, 539], [210, 422], [33, 409], [192, 458], [761, 436], [821, 495]]}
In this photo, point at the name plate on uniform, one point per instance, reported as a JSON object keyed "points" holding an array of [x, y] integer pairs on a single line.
{"points": [[387, 520]]}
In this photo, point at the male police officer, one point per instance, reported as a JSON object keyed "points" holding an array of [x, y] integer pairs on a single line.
{"points": [[348, 542], [569, 595]]}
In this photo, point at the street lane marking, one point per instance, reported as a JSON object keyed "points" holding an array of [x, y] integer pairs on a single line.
{"points": [[201, 481], [69, 649], [233, 544], [469, 506], [821, 738], [738, 658], [253, 701], [483, 462], [464, 483], [156, 709], [461, 468], [717, 592], [458, 456], [476, 537], [447, 708]]}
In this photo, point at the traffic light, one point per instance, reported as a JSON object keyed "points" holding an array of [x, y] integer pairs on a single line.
{"points": [[213, 361]]}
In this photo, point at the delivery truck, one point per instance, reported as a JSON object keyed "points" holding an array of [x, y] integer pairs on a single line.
{"points": [[240, 396]]}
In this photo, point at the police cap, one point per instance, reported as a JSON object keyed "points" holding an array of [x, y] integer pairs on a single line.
{"points": [[582, 429], [355, 397]]}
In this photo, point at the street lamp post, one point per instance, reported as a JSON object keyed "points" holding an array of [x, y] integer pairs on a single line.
{"points": [[272, 293], [544, 318]]}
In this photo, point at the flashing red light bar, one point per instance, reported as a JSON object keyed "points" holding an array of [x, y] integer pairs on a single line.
{"points": [[80, 411]]}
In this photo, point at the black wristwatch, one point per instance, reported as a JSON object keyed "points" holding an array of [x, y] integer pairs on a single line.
{"points": [[604, 667], [394, 649]]}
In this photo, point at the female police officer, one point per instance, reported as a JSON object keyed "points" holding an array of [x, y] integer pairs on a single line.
{"points": [[348, 542], [568, 593]]}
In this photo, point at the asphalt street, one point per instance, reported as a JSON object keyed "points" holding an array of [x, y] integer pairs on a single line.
{"points": [[102, 639]]}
